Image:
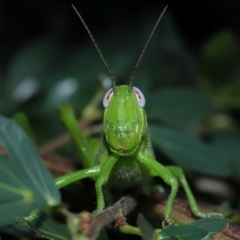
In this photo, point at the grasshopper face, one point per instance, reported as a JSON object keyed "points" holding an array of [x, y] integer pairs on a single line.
{"points": [[124, 119]]}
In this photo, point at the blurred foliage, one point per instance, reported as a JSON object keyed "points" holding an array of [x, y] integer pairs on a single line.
{"points": [[192, 91], [200, 229]]}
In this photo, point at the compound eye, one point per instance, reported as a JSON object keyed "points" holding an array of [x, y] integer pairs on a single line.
{"points": [[140, 97], [107, 97]]}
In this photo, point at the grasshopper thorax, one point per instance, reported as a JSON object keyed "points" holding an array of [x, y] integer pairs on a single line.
{"points": [[124, 119]]}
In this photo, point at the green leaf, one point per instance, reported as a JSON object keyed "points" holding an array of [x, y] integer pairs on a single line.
{"points": [[18, 197], [175, 238], [147, 230], [212, 225], [186, 232], [25, 183], [229, 148], [184, 106], [45, 223], [189, 152]]}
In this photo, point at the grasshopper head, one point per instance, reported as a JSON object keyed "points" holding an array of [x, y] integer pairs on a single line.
{"points": [[124, 119]]}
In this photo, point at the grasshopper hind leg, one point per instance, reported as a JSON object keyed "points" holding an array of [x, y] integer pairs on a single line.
{"points": [[178, 172]]}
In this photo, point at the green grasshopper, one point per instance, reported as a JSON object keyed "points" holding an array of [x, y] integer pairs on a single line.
{"points": [[126, 155]]}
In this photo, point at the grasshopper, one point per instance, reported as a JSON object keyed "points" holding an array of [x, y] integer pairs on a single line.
{"points": [[126, 155]]}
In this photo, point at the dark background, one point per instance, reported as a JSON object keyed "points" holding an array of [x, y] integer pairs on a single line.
{"points": [[23, 21]]}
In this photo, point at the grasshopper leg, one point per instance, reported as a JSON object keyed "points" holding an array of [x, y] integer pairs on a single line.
{"points": [[69, 178], [178, 172], [168, 178], [102, 179]]}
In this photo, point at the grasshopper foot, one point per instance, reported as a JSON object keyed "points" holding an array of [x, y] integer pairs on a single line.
{"points": [[168, 222]]}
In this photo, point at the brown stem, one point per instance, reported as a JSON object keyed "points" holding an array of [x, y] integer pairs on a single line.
{"points": [[124, 206]]}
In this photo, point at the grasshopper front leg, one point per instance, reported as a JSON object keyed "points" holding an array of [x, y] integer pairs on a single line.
{"points": [[69, 178], [102, 179], [167, 177]]}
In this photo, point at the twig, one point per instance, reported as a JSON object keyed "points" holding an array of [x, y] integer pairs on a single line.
{"points": [[125, 205], [90, 225], [37, 232]]}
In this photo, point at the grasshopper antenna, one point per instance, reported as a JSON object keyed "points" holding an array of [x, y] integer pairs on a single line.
{"points": [[145, 47], [97, 48]]}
